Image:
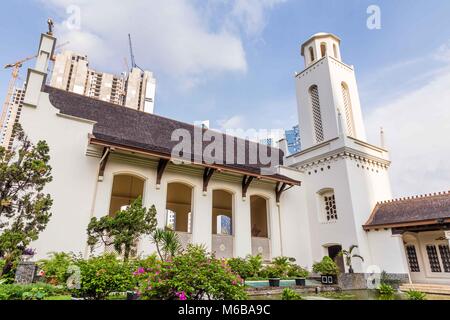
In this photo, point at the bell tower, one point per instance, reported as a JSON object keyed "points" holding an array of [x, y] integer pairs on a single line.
{"points": [[327, 93], [343, 175]]}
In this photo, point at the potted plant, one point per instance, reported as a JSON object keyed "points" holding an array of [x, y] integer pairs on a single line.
{"points": [[328, 269], [299, 274], [348, 256], [274, 274]]}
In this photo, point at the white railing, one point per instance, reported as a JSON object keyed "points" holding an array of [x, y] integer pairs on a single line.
{"points": [[222, 245], [261, 246]]}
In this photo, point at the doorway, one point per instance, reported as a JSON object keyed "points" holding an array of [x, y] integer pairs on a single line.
{"points": [[333, 253]]}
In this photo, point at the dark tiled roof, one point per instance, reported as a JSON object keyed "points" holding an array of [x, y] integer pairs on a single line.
{"points": [[126, 127], [410, 210]]}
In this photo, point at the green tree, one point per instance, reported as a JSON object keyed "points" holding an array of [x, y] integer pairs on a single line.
{"points": [[349, 255], [167, 243], [24, 208], [123, 229]]}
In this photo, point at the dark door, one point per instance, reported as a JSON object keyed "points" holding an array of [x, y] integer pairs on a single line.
{"points": [[333, 253]]}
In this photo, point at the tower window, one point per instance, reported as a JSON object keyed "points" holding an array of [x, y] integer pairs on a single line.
{"points": [[335, 51], [328, 205], [323, 49], [317, 116], [311, 54], [348, 109]]}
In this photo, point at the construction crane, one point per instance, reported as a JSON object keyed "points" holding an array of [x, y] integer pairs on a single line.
{"points": [[12, 82], [133, 62]]}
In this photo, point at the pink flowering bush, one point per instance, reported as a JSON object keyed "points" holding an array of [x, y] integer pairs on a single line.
{"points": [[194, 274]]}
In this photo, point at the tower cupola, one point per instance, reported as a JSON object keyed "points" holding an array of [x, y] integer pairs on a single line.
{"points": [[320, 45]]}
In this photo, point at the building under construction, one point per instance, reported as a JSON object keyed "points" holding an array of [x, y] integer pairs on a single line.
{"points": [[135, 89]]}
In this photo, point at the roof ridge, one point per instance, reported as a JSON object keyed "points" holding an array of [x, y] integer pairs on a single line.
{"points": [[415, 197]]}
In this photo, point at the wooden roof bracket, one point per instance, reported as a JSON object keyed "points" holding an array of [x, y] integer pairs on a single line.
{"points": [[246, 180], [207, 174], [162, 164], [103, 161], [279, 189]]}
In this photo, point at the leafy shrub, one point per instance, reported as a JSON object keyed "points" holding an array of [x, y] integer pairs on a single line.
{"points": [[272, 272], [102, 275], [241, 267], [289, 294], [55, 268], [36, 291], [296, 271], [327, 266], [416, 295], [255, 263], [385, 289], [193, 274]]}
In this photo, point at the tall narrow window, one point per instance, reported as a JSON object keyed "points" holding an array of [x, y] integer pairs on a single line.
{"points": [[433, 258], [317, 116], [323, 49], [445, 256], [311, 54], [335, 51], [412, 258], [348, 109]]}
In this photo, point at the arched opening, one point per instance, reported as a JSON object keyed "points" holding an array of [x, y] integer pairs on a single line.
{"points": [[179, 207], [335, 52], [311, 54], [323, 49], [316, 112], [348, 109], [126, 188], [222, 223], [222, 212], [259, 226]]}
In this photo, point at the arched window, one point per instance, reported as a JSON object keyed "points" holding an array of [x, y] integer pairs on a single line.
{"points": [[179, 207], [222, 211], [335, 51], [317, 116], [126, 188], [323, 49], [327, 202], [311, 54], [348, 109]]}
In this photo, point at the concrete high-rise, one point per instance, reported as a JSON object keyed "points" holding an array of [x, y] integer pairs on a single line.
{"points": [[135, 90], [12, 117]]}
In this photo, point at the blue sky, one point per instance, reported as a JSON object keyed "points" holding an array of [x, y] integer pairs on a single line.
{"points": [[232, 62]]}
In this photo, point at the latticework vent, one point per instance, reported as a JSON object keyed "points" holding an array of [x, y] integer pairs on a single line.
{"points": [[433, 258], [445, 256], [348, 109], [317, 116], [330, 207]]}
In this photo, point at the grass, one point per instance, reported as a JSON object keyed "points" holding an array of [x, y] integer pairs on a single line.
{"points": [[60, 297]]}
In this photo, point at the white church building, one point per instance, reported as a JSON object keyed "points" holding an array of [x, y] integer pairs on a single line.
{"points": [[332, 194]]}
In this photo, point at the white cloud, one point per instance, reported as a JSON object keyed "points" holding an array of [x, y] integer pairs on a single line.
{"points": [[177, 37], [417, 128], [234, 122]]}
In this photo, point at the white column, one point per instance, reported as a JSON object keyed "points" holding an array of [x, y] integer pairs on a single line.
{"points": [[242, 227], [202, 218], [274, 229]]}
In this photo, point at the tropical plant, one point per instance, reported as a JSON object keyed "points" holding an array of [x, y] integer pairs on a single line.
{"points": [[349, 255], [100, 276], [24, 208], [123, 229], [255, 263], [296, 271], [387, 279], [55, 268], [385, 289], [326, 267], [416, 295], [193, 274], [289, 294], [167, 243], [273, 272]]}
